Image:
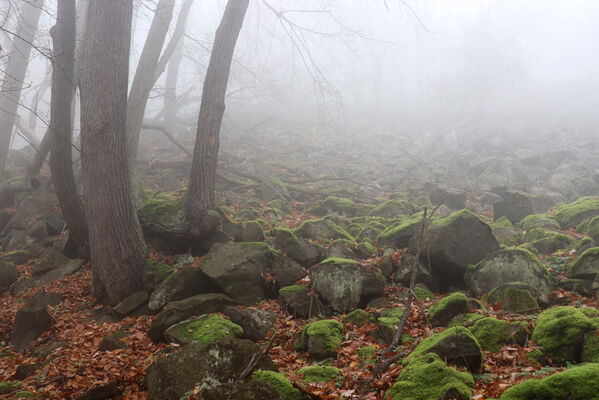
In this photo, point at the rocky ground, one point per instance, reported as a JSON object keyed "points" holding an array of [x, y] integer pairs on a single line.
{"points": [[311, 267]]}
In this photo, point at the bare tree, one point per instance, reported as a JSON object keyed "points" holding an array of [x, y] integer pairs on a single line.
{"points": [[14, 75], [200, 194], [61, 163], [116, 245]]}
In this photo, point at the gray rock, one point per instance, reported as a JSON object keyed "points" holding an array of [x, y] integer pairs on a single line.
{"points": [[8, 275], [255, 323], [296, 247], [188, 281], [111, 343], [514, 205], [322, 230], [30, 322], [241, 391], [131, 303], [251, 232], [23, 285], [286, 270], [49, 260]]}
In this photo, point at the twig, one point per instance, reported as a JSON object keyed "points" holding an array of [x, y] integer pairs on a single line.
{"points": [[256, 358]]}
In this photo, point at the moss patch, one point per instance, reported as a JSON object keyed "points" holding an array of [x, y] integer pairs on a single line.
{"points": [[571, 214], [491, 333], [358, 317], [317, 374], [447, 308], [282, 385], [322, 338], [210, 329], [422, 292]]}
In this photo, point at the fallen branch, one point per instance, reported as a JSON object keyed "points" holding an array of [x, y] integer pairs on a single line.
{"points": [[256, 358]]}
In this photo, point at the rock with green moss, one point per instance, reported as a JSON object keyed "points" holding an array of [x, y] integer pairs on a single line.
{"points": [[164, 210], [402, 273], [576, 383], [514, 205], [366, 354], [423, 293], [505, 232], [304, 252], [237, 268], [393, 208], [592, 228], [560, 333], [428, 377], [583, 244], [155, 273], [463, 319], [8, 275], [514, 296], [345, 284], [300, 302], [341, 248], [322, 230], [340, 205], [282, 385], [586, 265], [368, 232], [16, 257], [457, 345], [571, 214], [454, 243], [203, 330], [321, 338], [319, 374], [399, 235], [25, 394], [590, 347], [250, 232], [491, 333], [252, 390], [177, 311], [286, 270], [256, 323], [387, 327], [219, 362], [510, 265], [539, 221], [8, 387], [547, 241], [188, 281], [447, 308], [358, 317]]}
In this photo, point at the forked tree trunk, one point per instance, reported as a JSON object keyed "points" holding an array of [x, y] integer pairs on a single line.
{"points": [[16, 67], [200, 195], [61, 160], [116, 246]]}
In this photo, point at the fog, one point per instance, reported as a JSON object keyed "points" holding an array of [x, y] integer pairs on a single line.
{"points": [[383, 64]]}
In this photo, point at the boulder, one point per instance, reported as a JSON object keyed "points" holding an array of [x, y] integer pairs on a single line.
{"points": [[48, 260], [340, 205], [210, 366], [590, 347], [155, 272], [30, 322], [586, 265], [579, 382], [319, 374], [177, 311], [255, 323], [110, 390], [131, 303], [510, 265], [299, 301], [251, 232], [447, 308], [17, 257], [428, 377], [571, 214], [321, 338], [398, 236], [504, 232], [546, 241], [514, 205], [345, 284], [252, 390], [560, 333], [539, 221], [277, 381], [492, 333], [341, 249], [204, 330], [514, 296], [8, 275], [322, 230], [393, 209], [237, 268], [286, 270], [188, 281], [296, 247], [54, 274], [454, 243], [457, 345]]}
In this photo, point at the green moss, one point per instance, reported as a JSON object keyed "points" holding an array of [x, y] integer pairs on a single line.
{"points": [[288, 234], [406, 228], [590, 347], [422, 292], [536, 355], [428, 344], [322, 229], [391, 208], [428, 378], [579, 383], [337, 260], [513, 296], [24, 394], [213, 328], [580, 262], [254, 203], [571, 214], [340, 204], [539, 221], [464, 319], [318, 374], [366, 244], [164, 209], [358, 317], [454, 216], [328, 332], [396, 312], [282, 385], [294, 289], [367, 353], [560, 331], [225, 210], [448, 307], [491, 333], [503, 222], [8, 387]]}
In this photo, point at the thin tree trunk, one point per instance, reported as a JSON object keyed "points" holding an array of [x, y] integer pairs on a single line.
{"points": [[200, 195], [144, 75], [61, 160], [14, 76], [170, 89], [116, 246]]}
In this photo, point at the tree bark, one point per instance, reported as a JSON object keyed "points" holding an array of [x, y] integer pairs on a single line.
{"points": [[200, 194], [14, 76], [143, 80], [170, 88], [61, 160], [116, 245]]}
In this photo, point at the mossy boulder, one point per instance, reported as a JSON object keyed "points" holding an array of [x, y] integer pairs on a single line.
{"points": [[399, 235], [393, 208], [237, 268], [177, 311], [17, 257], [539, 221], [155, 273], [560, 333], [571, 214], [256, 323], [322, 230], [513, 296], [514, 205], [586, 265], [304, 252], [447, 308], [277, 381], [457, 345], [546, 241], [590, 347], [49, 259], [340, 205], [422, 292], [428, 377], [345, 284], [286, 270], [358, 317], [341, 248], [186, 282], [576, 383], [250, 232], [217, 363], [491, 333], [203, 330], [321, 338], [505, 232], [8, 275], [252, 390], [509, 265], [454, 243], [31, 321], [318, 374], [299, 301]]}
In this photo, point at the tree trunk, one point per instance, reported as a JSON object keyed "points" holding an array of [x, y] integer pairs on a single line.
{"points": [[170, 89], [61, 160], [116, 246], [200, 195], [14, 76], [143, 80]]}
